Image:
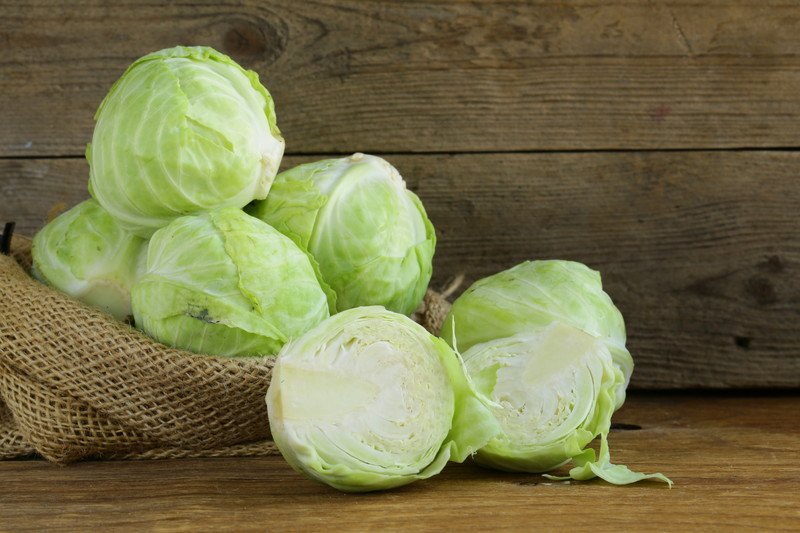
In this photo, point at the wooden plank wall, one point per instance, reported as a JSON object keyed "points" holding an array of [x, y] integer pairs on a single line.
{"points": [[655, 141]]}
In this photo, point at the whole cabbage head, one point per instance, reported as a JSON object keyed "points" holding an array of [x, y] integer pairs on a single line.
{"points": [[534, 294], [183, 130], [370, 234], [85, 253], [553, 391], [370, 400], [225, 283]]}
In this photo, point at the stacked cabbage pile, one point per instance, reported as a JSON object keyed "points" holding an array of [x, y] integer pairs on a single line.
{"points": [[193, 236]]}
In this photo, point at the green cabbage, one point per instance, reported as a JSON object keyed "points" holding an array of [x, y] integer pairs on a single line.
{"points": [[183, 130], [534, 294], [553, 391], [225, 283], [546, 347], [370, 234], [86, 254], [370, 400]]}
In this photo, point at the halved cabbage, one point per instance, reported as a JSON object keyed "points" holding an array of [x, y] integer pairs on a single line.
{"points": [[370, 400], [553, 391]]}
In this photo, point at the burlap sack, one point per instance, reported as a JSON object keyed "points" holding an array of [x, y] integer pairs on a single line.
{"points": [[77, 384]]}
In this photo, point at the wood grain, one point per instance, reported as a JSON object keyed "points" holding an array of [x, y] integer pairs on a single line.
{"points": [[430, 76], [731, 472], [700, 250]]}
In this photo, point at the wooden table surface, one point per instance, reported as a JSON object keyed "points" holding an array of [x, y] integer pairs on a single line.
{"points": [[733, 459]]}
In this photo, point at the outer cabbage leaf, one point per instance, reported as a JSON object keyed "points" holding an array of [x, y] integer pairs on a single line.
{"points": [[85, 253], [369, 234], [183, 130], [225, 283], [369, 400], [533, 294]]}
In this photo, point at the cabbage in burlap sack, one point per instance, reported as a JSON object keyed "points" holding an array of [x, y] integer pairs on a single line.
{"points": [[74, 383]]}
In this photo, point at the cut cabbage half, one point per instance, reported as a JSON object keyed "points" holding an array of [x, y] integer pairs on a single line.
{"points": [[369, 400], [552, 391]]}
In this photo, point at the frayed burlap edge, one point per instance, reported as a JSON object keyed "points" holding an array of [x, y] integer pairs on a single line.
{"points": [[76, 384]]}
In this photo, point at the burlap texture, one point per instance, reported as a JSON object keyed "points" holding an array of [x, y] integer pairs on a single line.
{"points": [[75, 383]]}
